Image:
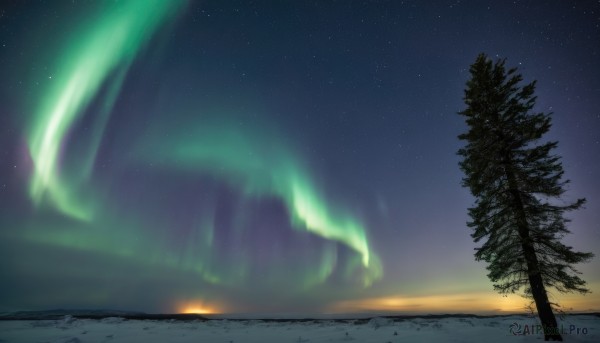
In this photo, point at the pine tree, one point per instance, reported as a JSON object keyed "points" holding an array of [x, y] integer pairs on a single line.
{"points": [[517, 182]]}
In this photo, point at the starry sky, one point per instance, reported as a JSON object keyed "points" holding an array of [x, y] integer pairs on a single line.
{"points": [[270, 156]]}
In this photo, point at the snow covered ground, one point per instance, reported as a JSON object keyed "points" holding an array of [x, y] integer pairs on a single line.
{"points": [[379, 330]]}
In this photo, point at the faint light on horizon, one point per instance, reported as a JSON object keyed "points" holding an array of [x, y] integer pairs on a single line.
{"points": [[474, 302], [480, 302]]}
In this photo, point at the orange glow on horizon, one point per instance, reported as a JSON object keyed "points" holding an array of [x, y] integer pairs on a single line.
{"points": [[196, 307], [196, 310], [475, 302]]}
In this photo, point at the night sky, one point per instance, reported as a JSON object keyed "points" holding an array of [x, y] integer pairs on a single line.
{"points": [[270, 156]]}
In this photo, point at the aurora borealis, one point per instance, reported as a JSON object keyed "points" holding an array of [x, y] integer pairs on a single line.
{"points": [[106, 47], [267, 157]]}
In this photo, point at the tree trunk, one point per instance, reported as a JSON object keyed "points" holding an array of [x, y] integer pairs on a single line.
{"points": [[538, 291]]}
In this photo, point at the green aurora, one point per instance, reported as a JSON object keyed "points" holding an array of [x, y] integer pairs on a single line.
{"points": [[91, 69], [261, 164], [106, 47]]}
